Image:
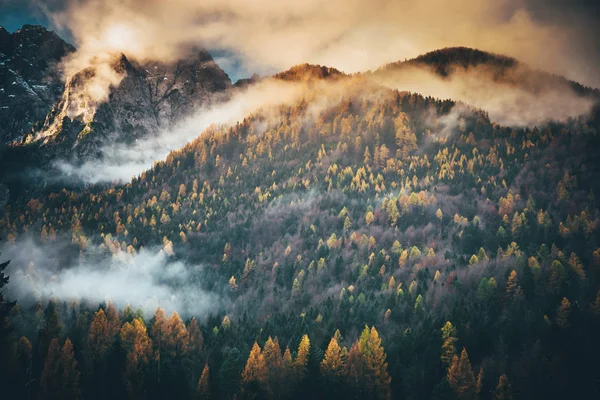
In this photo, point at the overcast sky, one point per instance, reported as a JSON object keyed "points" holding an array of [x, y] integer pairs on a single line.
{"points": [[269, 35]]}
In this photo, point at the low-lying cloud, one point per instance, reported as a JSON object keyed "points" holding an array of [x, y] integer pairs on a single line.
{"points": [[120, 162], [508, 103], [147, 279]]}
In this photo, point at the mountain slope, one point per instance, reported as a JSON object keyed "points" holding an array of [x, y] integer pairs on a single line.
{"points": [[381, 208], [375, 207], [141, 99], [145, 98], [30, 77]]}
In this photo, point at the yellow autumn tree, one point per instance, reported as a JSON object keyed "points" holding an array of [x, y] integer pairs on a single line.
{"points": [[302, 358], [503, 391], [448, 343], [203, 387], [254, 376], [366, 368], [138, 353], [461, 378], [332, 365]]}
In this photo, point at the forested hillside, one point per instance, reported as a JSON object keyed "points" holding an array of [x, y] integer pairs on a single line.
{"points": [[362, 243]]}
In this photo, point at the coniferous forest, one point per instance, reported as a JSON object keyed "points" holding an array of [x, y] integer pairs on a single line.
{"points": [[355, 250], [388, 218]]}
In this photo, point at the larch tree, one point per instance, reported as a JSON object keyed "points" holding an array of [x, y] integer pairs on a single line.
{"points": [[479, 386], [99, 336], [332, 365], [177, 339], [51, 374], [563, 313], [69, 379], [158, 332], [255, 372], [512, 285], [448, 343], [366, 368], [138, 349], [504, 390], [301, 361], [287, 366], [370, 347], [196, 344], [461, 378], [274, 364], [203, 387], [114, 322]]}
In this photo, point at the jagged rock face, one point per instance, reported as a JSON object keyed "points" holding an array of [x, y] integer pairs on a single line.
{"points": [[146, 98], [82, 123], [30, 77], [179, 88]]}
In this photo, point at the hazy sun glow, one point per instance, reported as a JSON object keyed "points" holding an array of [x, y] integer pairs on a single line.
{"points": [[118, 36]]}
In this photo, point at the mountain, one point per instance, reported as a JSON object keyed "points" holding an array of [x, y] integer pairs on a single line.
{"points": [[31, 80], [309, 72], [413, 248], [146, 98], [499, 68], [141, 99]]}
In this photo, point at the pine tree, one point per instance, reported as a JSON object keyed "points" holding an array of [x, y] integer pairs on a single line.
{"points": [[203, 388], [229, 374], [503, 391], [461, 378], [24, 367], [52, 327], [558, 276]]}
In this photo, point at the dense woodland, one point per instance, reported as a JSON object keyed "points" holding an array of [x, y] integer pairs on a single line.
{"points": [[374, 245]]}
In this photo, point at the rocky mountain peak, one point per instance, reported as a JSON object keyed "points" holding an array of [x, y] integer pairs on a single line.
{"points": [[140, 99], [31, 80]]}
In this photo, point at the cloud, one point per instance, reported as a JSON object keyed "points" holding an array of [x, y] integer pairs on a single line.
{"points": [[351, 35], [147, 279], [510, 103], [120, 162]]}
